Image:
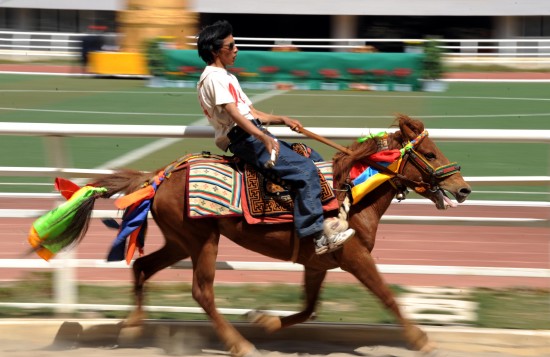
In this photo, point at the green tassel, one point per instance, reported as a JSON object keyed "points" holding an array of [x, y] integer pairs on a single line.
{"points": [[55, 222]]}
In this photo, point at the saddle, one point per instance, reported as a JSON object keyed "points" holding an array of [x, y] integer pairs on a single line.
{"points": [[218, 187]]}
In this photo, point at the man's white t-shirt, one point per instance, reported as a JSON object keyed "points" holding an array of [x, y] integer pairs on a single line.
{"points": [[217, 87]]}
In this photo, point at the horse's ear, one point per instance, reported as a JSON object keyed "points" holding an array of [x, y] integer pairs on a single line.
{"points": [[409, 127]]}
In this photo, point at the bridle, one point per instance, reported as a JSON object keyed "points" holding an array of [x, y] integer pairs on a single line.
{"points": [[409, 154], [435, 174]]}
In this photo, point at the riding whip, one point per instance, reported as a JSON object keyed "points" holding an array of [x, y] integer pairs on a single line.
{"points": [[345, 150], [322, 139]]}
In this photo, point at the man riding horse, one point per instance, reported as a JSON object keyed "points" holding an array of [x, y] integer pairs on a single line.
{"points": [[239, 127], [413, 162]]}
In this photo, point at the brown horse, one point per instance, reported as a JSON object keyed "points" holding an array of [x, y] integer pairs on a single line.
{"points": [[424, 169]]}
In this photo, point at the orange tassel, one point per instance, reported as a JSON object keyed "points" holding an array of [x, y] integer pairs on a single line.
{"points": [[134, 197], [35, 241]]}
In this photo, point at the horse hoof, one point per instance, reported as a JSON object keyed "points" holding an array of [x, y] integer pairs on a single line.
{"points": [[433, 352], [132, 323], [429, 349], [135, 319], [130, 336], [250, 351], [269, 323], [418, 339], [253, 353]]}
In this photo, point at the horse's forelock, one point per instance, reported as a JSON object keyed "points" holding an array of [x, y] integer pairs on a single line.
{"points": [[410, 128]]}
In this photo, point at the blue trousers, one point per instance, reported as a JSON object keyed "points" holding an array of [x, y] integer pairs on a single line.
{"points": [[298, 172]]}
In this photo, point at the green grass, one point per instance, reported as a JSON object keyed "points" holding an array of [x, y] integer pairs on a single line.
{"points": [[490, 68], [514, 308], [58, 99]]}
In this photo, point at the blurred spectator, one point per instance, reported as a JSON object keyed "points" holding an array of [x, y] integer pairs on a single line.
{"points": [[93, 41]]}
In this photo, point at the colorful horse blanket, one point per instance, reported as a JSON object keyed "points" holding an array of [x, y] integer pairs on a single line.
{"points": [[219, 190]]}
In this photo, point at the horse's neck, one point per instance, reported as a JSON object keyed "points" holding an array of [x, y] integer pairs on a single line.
{"points": [[376, 203], [367, 213], [381, 205]]}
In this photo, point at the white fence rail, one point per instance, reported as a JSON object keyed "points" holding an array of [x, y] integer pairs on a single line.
{"points": [[64, 278], [179, 131], [29, 46]]}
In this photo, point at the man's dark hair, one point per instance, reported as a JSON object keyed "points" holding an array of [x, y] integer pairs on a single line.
{"points": [[211, 38]]}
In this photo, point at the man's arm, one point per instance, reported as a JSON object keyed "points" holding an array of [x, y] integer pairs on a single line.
{"points": [[246, 125], [275, 119]]}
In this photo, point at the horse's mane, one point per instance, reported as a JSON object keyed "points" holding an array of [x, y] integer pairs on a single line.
{"points": [[342, 163]]}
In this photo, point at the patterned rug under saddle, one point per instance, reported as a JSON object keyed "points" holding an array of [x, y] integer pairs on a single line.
{"points": [[218, 189]]}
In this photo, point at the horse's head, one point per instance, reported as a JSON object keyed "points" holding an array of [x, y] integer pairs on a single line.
{"points": [[424, 168]]}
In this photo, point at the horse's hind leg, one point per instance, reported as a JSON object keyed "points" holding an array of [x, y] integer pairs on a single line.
{"points": [[204, 254], [364, 269], [313, 280], [144, 268]]}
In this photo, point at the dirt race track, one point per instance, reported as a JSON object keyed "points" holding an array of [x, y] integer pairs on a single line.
{"points": [[107, 338]]}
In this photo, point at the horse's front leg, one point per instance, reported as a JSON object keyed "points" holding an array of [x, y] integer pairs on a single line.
{"points": [[204, 270], [358, 261], [313, 280]]}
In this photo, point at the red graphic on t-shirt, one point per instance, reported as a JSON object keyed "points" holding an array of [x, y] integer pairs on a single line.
{"points": [[236, 95]]}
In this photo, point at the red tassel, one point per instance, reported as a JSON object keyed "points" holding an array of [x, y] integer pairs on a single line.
{"points": [[66, 187]]}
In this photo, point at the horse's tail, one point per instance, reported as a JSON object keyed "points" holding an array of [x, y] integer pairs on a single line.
{"points": [[67, 224]]}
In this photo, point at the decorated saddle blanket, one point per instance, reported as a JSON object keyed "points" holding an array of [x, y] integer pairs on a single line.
{"points": [[219, 189]]}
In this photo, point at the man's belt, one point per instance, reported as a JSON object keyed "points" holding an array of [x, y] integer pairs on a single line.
{"points": [[237, 133]]}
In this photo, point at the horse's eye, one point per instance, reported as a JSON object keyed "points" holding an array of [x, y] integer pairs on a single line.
{"points": [[430, 156]]}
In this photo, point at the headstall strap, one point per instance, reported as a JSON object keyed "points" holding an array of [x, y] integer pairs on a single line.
{"points": [[447, 170], [439, 172], [420, 161], [419, 138]]}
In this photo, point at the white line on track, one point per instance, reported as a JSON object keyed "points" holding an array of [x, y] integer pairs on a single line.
{"points": [[92, 91], [295, 116], [162, 143], [143, 151], [96, 112], [332, 94], [369, 95], [427, 116]]}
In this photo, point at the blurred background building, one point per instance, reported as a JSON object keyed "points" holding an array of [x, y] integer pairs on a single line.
{"points": [[452, 19]]}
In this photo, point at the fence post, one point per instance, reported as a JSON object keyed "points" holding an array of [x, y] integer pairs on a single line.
{"points": [[65, 287], [64, 284]]}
